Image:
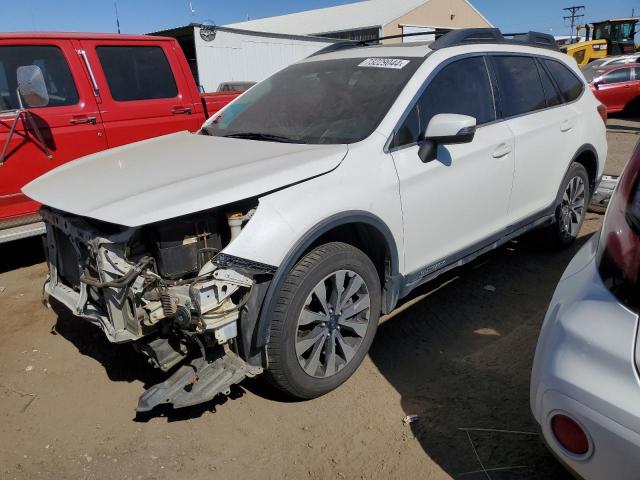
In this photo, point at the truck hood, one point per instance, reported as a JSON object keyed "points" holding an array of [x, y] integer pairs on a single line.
{"points": [[178, 174]]}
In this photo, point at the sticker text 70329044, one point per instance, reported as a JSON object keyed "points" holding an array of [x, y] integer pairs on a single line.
{"points": [[393, 63]]}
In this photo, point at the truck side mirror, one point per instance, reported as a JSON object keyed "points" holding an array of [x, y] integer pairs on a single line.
{"points": [[31, 87]]}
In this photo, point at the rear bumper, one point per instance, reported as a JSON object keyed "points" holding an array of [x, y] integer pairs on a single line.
{"points": [[584, 368]]}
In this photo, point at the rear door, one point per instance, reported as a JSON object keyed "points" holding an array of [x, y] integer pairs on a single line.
{"points": [[144, 93], [617, 88], [70, 124], [543, 127]]}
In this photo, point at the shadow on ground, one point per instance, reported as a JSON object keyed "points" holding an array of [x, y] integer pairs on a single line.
{"points": [[123, 364], [460, 356], [21, 253]]}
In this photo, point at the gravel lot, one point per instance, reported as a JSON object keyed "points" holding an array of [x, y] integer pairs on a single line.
{"points": [[456, 353]]}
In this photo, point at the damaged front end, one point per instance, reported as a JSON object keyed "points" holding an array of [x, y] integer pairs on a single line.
{"points": [[166, 287]]}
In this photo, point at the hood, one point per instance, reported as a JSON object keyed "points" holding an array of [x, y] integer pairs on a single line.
{"points": [[178, 174]]}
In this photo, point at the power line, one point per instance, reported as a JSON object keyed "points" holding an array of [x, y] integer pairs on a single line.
{"points": [[573, 15]]}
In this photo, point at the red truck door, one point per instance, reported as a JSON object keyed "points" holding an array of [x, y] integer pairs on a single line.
{"points": [[144, 92], [70, 124]]}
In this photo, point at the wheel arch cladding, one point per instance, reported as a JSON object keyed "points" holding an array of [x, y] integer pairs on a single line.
{"points": [[362, 230], [588, 158]]}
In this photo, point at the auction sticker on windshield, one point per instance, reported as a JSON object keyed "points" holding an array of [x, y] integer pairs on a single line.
{"points": [[393, 63]]}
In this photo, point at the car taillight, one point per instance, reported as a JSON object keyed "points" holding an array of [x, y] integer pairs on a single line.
{"points": [[569, 434], [619, 249], [602, 111]]}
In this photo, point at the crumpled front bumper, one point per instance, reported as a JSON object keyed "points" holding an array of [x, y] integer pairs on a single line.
{"points": [[76, 300]]}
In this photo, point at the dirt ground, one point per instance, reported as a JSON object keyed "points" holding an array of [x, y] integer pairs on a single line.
{"points": [[456, 353]]}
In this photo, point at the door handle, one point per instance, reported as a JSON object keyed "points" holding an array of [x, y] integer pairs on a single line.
{"points": [[181, 110], [502, 151], [566, 126], [82, 120]]}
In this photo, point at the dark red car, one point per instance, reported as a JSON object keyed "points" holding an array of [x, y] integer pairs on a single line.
{"points": [[617, 86]]}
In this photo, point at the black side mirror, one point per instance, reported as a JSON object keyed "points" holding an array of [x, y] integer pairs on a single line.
{"points": [[31, 86], [427, 151]]}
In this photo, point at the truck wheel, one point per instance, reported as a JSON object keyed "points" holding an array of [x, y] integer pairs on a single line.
{"points": [[324, 320], [571, 207]]}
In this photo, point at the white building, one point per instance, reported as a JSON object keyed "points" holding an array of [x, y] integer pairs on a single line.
{"points": [[254, 50], [372, 18]]}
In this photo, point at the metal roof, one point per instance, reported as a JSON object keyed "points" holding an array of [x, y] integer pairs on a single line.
{"points": [[366, 14], [77, 35]]}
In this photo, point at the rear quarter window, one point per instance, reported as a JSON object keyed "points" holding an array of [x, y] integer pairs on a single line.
{"points": [[569, 84]]}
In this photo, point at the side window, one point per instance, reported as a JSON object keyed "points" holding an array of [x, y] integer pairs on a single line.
{"points": [[137, 73], [57, 76], [409, 132], [550, 91], [461, 87], [618, 76], [520, 85], [570, 85]]}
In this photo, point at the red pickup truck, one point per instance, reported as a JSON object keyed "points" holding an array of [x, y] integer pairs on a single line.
{"points": [[66, 95]]}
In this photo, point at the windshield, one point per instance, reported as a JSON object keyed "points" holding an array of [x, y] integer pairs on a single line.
{"points": [[317, 102], [616, 32]]}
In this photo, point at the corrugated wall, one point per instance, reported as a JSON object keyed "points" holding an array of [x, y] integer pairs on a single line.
{"points": [[232, 56]]}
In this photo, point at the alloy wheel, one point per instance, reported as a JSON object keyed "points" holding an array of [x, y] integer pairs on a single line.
{"points": [[332, 324], [572, 206]]}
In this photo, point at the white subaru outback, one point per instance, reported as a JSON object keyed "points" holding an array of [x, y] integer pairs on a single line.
{"points": [[274, 238]]}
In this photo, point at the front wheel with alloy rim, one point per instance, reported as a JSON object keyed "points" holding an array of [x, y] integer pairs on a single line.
{"points": [[571, 206], [324, 320]]}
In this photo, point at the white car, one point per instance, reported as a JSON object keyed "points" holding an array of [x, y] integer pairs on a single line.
{"points": [[274, 238], [591, 69], [585, 387]]}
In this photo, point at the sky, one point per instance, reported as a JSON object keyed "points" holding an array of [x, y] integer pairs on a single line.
{"points": [[143, 16]]}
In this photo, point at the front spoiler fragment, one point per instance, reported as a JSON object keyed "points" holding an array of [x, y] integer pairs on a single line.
{"points": [[197, 382]]}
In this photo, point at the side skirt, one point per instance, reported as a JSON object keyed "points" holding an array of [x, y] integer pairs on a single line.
{"points": [[414, 280]]}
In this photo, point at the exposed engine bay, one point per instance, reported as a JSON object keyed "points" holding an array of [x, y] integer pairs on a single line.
{"points": [[165, 286]]}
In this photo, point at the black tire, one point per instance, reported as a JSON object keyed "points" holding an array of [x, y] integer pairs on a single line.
{"points": [[285, 370], [558, 235]]}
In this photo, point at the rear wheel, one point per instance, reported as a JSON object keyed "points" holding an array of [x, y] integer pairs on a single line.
{"points": [[324, 321], [571, 207]]}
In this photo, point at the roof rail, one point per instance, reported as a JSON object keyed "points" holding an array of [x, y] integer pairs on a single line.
{"points": [[452, 38], [343, 45], [493, 35]]}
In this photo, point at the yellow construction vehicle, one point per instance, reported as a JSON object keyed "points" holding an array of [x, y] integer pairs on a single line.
{"points": [[602, 39]]}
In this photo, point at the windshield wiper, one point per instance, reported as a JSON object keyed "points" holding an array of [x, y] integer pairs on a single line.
{"points": [[266, 137]]}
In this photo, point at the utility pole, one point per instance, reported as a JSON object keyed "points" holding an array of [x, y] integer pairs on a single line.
{"points": [[573, 15], [115, 5]]}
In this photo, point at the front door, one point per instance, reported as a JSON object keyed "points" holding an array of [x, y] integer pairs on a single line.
{"points": [[453, 204], [70, 124], [144, 94]]}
